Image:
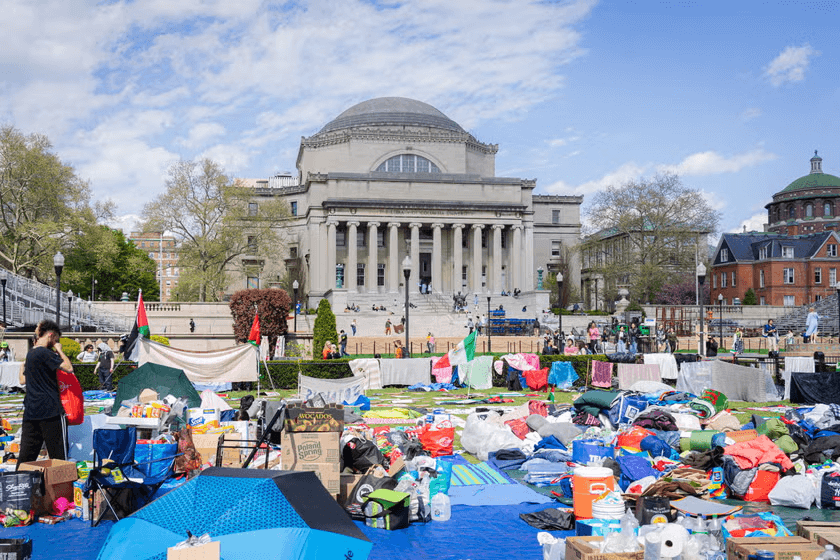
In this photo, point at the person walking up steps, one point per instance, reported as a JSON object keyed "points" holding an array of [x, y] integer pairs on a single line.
{"points": [[387, 327]]}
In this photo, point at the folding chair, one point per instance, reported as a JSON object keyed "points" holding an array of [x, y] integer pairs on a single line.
{"points": [[115, 448]]}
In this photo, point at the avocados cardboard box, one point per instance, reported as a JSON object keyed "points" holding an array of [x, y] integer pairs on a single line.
{"points": [[784, 548], [585, 548], [327, 419], [59, 477]]}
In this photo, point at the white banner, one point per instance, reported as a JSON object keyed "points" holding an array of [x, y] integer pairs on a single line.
{"points": [[333, 390], [238, 363]]}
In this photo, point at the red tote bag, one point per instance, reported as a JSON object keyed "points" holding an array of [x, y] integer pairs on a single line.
{"points": [[71, 398]]}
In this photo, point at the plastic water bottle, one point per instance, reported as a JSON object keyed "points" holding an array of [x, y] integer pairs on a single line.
{"points": [[442, 509], [829, 553]]}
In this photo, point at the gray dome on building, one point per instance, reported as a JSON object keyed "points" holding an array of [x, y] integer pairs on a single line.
{"points": [[390, 111]]}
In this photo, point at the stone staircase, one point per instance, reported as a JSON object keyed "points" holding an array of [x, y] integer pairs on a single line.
{"points": [[795, 320]]}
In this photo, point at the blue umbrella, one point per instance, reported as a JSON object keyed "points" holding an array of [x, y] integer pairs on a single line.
{"points": [[253, 514]]}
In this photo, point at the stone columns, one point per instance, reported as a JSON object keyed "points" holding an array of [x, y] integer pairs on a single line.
{"points": [[415, 257], [352, 257], [373, 248], [516, 264], [457, 255], [476, 254], [530, 267], [331, 225], [437, 249], [394, 267], [497, 258]]}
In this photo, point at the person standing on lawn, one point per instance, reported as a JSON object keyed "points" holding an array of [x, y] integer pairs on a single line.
{"points": [[771, 333], [43, 413]]}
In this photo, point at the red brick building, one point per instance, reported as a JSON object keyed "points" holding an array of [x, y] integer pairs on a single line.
{"points": [[808, 205], [781, 269]]}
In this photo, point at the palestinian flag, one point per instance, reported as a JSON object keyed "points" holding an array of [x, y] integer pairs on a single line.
{"points": [[254, 336], [140, 329], [461, 354]]}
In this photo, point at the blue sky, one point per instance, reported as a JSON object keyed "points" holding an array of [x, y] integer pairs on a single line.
{"points": [[733, 96]]}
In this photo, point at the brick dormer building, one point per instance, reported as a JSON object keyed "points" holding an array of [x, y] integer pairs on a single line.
{"points": [[781, 269], [808, 205]]}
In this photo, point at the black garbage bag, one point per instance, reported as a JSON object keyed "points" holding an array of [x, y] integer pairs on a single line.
{"points": [[359, 455]]}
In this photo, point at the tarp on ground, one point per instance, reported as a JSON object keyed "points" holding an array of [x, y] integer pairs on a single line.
{"points": [[477, 373], [163, 379], [333, 390], [407, 372], [796, 363], [237, 363], [369, 369], [666, 362], [813, 388], [741, 383]]}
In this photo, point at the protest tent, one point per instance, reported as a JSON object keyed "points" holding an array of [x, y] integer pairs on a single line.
{"points": [[253, 514], [163, 379]]}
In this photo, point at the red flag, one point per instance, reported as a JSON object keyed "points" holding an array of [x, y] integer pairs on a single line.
{"points": [[254, 336]]}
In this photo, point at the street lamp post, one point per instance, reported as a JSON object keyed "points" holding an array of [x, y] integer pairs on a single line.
{"points": [[295, 287], [70, 310], [487, 326], [720, 318], [58, 263], [3, 279], [540, 278], [560, 305], [701, 279], [406, 266]]}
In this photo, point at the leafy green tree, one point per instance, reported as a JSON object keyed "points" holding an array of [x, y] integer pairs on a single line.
{"points": [[324, 329], [44, 205], [649, 233], [273, 306], [106, 256], [221, 225], [749, 298]]}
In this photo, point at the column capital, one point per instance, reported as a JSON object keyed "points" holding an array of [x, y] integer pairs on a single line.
{"points": [[332, 222], [458, 226], [353, 224], [394, 224], [516, 226], [417, 225], [498, 226], [438, 225], [373, 224], [477, 226]]}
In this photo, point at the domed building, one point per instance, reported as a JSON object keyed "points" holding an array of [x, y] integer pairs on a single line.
{"points": [[807, 205], [393, 183]]}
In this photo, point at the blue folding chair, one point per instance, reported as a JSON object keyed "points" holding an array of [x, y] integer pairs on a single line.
{"points": [[116, 448]]}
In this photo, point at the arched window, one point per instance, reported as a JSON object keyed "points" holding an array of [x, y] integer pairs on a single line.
{"points": [[827, 209], [791, 212], [408, 163], [809, 210]]}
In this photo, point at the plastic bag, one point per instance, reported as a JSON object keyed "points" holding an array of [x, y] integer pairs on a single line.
{"points": [[481, 437], [793, 491], [71, 397], [438, 442]]}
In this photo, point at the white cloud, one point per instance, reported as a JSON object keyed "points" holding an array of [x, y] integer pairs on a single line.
{"points": [[624, 173], [713, 163], [126, 222], [201, 133], [756, 222], [560, 142], [790, 65], [751, 113]]}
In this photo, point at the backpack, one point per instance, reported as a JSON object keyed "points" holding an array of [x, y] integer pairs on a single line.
{"points": [[104, 358]]}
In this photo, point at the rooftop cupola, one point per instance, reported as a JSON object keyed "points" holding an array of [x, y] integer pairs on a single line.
{"points": [[816, 163]]}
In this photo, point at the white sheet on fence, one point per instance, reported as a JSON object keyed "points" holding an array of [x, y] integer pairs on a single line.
{"points": [[740, 383], [477, 373], [695, 377], [770, 382], [667, 364], [333, 390], [238, 363], [369, 369], [804, 364], [631, 373], [406, 372], [10, 374]]}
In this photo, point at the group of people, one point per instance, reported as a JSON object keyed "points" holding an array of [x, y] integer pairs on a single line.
{"points": [[352, 307]]}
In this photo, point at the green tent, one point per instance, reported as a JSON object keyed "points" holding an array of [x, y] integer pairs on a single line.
{"points": [[163, 379]]}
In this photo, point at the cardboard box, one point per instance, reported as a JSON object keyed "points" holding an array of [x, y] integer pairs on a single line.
{"points": [[820, 532], [327, 419], [327, 473], [231, 456], [59, 477], [209, 551], [302, 448], [579, 548], [346, 483], [206, 444], [785, 548], [16, 549]]}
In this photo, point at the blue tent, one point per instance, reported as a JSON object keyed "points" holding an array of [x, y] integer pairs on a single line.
{"points": [[253, 514]]}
